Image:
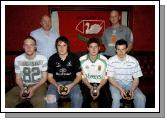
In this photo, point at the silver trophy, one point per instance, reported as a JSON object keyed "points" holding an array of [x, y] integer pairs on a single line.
{"points": [[25, 92], [95, 89]]}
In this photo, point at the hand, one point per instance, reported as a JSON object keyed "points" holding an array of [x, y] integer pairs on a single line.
{"points": [[21, 94], [122, 92], [58, 86], [69, 87], [31, 91], [131, 93]]}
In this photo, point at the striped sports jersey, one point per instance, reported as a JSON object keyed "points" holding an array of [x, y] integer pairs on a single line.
{"points": [[30, 69], [125, 70], [94, 71]]}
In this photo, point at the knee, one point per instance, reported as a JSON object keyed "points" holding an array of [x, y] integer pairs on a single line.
{"points": [[50, 99], [141, 97], [116, 97]]}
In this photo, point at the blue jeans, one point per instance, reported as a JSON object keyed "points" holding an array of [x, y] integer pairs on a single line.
{"points": [[75, 96], [139, 98]]}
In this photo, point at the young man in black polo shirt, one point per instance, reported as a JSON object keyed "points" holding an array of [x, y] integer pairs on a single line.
{"points": [[64, 74]]}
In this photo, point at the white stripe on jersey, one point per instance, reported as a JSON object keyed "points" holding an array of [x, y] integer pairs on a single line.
{"points": [[123, 70]]}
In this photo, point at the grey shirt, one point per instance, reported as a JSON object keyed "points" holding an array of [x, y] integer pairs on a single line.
{"points": [[111, 35]]}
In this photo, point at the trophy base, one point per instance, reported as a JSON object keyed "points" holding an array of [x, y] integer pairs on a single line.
{"points": [[126, 103]]}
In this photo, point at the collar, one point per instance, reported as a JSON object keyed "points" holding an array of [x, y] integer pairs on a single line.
{"points": [[51, 29], [126, 59], [93, 61], [67, 57]]}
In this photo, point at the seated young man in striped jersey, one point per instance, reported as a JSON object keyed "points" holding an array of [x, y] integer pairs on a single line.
{"points": [[94, 77], [124, 71]]}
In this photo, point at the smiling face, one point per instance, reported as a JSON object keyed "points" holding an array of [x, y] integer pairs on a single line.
{"points": [[93, 49], [46, 23], [29, 46], [114, 17]]}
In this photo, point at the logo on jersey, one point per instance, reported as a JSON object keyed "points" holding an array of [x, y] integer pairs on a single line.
{"points": [[58, 64], [69, 63], [96, 77], [63, 70], [99, 67]]}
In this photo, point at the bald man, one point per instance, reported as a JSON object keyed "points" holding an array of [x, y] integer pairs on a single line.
{"points": [[45, 37], [114, 33]]}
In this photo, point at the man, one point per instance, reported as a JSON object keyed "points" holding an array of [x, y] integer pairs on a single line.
{"points": [[124, 71], [64, 74], [114, 33], [45, 37], [94, 76], [30, 69]]}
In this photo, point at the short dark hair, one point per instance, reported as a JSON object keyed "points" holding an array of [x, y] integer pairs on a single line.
{"points": [[121, 42], [93, 40], [63, 39], [32, 38]]}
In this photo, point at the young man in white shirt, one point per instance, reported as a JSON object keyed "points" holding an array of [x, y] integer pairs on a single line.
{"points": [[94, 76], [124, 71], [31, 73]]}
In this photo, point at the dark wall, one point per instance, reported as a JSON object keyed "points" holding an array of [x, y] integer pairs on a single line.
{"points": [[21, 20], [144, 28]]}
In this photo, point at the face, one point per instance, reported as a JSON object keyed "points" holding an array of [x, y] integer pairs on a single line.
{"points": [[46, 23], [114, 17], [93, 49], [62, 48], [29, 47], [121, 51]]}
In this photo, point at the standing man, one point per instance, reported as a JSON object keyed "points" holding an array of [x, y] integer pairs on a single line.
{"points": [[45, 37], [31, 72], [124, 72], [94, 76], [64, 74], [114, 33]]}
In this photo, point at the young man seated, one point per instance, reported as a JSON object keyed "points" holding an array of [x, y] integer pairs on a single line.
{"points": [[94, 76], [64, 74], [124, 71], [31, 74]]}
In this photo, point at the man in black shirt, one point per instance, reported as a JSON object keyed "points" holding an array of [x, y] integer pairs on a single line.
{"points": [[64, 74]]}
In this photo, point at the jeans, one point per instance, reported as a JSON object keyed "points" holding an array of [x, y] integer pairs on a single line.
{"points": [[139, 98], [75, 96]]}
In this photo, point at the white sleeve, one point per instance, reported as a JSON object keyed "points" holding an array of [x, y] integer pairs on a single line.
{"points": [[137, 71], [45, 64], [110, 69], [17, 67]]}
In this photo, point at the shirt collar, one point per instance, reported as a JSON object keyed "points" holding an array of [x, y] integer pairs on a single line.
{"points": [[124, 61], [93, 61]]}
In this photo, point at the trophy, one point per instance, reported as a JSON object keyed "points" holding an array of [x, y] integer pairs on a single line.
{"points": [[127, 101], [94, 90], [63, 89], [25, 103], [25, 91], [127, 96]]}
